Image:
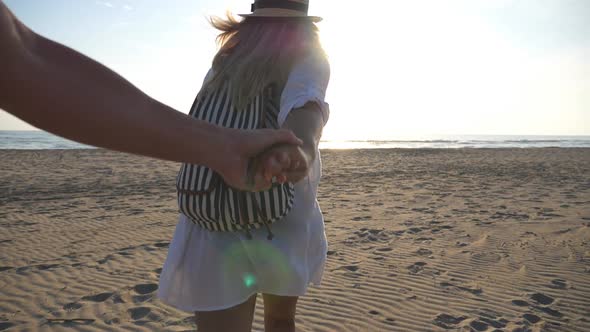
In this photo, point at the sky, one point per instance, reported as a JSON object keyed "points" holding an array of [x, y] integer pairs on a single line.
{"points": [[400, 69]]}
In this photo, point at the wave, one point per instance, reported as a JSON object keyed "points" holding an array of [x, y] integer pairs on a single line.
{"points": [[39, 140], [460, 143]]}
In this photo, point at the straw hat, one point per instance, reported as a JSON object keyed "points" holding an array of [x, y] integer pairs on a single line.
{"points": [[281, 8]]}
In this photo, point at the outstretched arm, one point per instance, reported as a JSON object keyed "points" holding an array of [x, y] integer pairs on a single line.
{"points": [[66, 93]]}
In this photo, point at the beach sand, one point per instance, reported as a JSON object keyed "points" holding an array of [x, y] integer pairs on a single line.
{"points": [[420, 240]]}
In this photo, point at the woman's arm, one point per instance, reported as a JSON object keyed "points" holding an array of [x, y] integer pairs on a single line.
{"points": [[307, 123], [66, 93]]}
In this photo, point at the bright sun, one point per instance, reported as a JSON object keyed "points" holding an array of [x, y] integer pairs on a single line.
{"points": [[403, 69]]}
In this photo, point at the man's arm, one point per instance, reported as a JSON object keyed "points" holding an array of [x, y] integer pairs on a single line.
{"points": [[66, 93]]}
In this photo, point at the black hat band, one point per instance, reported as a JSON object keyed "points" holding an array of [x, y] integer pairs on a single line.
{"points": [[292, 5]]}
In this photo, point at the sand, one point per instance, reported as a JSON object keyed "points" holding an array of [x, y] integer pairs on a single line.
{"points": [[420, 240]]}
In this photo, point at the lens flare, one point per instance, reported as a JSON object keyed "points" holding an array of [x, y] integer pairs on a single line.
{"points": [[249, 280], [255, 262]]}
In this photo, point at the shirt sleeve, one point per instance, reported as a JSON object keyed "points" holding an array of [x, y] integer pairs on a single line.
{"points": [[307, 82]]}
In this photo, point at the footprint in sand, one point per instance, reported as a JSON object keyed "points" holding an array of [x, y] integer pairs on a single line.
{"points": [[533, 319], [416, 267], [424, 252], [133, 212], [472, 290], [414, 230], [389, 321], [42, 267], [542, 298], [499, 324], [145, 292], [447, 321], [144, 289], [98, 297], [555, 284], [104, 260], [478, 325], [351, 268], [371, 235], [117, 299], [424, 239], [72, 306], [441, 228], [549, 311], [386, 249], [520, 303], [5, 325], [112, 321], [139, 312]]}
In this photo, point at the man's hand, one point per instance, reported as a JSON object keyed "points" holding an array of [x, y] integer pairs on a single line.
{"points": [[242, 148], [290, 161], [284, 162]]}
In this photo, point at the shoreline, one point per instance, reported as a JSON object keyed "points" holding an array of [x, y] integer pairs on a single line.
{"points": [[347, 149]]}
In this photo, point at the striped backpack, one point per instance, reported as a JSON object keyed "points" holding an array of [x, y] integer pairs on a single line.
{"points": [[202, 194]]}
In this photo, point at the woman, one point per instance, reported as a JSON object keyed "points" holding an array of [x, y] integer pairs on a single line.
{"points": [[217, 268]]}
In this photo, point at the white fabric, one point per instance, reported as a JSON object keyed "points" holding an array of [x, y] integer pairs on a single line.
{"points": [[207, 271], [307, 81]]}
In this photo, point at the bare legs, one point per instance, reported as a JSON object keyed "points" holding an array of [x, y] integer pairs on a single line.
{"points": [[234, 319], [279, 313], [279, 316]]}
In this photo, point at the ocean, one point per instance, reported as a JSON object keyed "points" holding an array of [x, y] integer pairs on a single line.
{"points": [[40, 140]]}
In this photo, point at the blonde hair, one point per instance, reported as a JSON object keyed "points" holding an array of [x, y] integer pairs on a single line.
{"points": [[256, 52]]}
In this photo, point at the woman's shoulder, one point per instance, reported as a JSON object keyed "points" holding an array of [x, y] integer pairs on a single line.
{"points": [[313, 61], [312, 66]]}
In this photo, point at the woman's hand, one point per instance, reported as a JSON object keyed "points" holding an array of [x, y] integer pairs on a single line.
{"points": [[289, 162], [281, 163], [246, 161]]}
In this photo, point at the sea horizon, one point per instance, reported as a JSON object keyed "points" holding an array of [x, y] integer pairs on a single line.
{"points": [[41, 140]]}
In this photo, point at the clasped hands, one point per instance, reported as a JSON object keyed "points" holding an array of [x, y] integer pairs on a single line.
{"points": [[251, 160], [278, 164]]}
